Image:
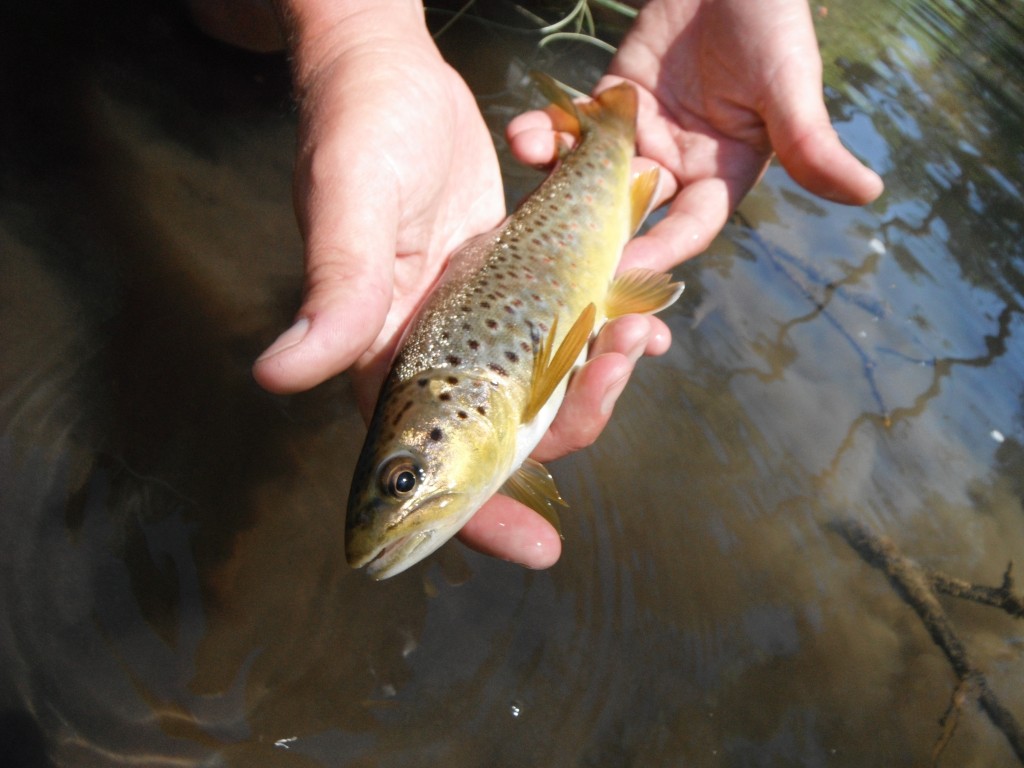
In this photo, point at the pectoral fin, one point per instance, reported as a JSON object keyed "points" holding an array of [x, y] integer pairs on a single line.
{"points": [[549, 371], [641, 291], [641, 196], [533, 486]]}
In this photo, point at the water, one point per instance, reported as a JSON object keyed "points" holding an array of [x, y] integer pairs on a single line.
{"points": [[173, 587]]}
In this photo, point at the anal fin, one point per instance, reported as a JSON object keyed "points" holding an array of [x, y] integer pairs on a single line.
{"points": [[548, 370], [641, 291], [533, 486]]}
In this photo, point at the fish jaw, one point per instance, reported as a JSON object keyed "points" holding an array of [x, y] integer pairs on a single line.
{"points": [[387, 555]]}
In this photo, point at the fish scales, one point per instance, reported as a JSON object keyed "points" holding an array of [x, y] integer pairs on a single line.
{"points": [[554, 256], [464, 402]]}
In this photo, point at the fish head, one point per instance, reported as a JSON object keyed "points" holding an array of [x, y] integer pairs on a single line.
{"points": [[438, 447]]}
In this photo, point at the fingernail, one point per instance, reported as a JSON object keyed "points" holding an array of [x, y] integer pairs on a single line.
{"points": [[612, 394], [288, 339]]}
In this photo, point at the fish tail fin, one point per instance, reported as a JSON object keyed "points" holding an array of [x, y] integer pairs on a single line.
{"points": [[553, 92], [615, 105]]}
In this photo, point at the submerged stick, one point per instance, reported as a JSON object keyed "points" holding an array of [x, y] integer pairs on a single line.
{"points": [[998, 597], [918, 589]]}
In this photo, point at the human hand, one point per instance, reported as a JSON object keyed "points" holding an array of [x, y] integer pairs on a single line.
{"points": [[395, 169], [721, 85]]}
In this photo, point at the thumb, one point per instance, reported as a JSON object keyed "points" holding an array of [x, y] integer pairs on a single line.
{"points": [[808, 146], [349, 258]]}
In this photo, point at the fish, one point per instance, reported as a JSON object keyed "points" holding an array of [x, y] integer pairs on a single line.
{"points": [[483, 367]]}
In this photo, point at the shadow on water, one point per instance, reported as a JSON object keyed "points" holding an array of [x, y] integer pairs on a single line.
{"points": [[172, 582]]}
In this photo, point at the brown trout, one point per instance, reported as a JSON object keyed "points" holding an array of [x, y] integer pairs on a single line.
{"points": [[483, 369]]}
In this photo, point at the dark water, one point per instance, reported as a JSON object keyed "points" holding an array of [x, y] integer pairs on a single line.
{"points": [[171, 575]]}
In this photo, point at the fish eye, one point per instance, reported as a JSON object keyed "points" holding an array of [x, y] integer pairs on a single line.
{"points": [[399, 477]]}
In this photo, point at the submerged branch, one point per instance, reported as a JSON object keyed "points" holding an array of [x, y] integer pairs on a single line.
{"points": [[918, 589], [998, 597]]}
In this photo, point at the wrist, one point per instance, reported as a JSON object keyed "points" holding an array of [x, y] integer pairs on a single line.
{"points": [[321, 30]]}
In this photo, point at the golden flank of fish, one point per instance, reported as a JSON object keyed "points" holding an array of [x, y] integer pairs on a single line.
{"points": [[480, 375]]}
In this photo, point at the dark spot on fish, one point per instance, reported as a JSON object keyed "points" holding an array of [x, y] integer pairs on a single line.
{"points": [[511, 356], [485, 304], [445, 397], [536, 241], [462, 414], [481, 410], [517, 302], [467, 326], [491, 322], [466, 308], [453, 380], [423, 382], [525, 347], [454, 360], [509, 309], [436, 434], [445, 335], [401, 412], [473, 344], [498, 369]]}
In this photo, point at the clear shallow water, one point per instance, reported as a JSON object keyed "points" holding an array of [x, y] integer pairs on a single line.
{"points": [[172, 582]]}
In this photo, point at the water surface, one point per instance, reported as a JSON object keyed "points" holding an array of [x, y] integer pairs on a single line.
{"points": [[173, 586]]}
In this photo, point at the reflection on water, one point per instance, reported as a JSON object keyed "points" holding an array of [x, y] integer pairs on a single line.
{"points": [[173, 588]]}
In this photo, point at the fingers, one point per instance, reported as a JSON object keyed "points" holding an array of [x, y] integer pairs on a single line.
{"points": [[349, 275], [508, 530], [807, 145], [813, 155]]}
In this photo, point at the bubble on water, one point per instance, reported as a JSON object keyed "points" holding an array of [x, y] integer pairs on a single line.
{"points": [[997, 435], [876, 245], [515, 709], [286, 743]]}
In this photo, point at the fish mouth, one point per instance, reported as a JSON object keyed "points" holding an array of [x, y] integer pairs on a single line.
{"points": [[387, 554], [403, 553]]}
